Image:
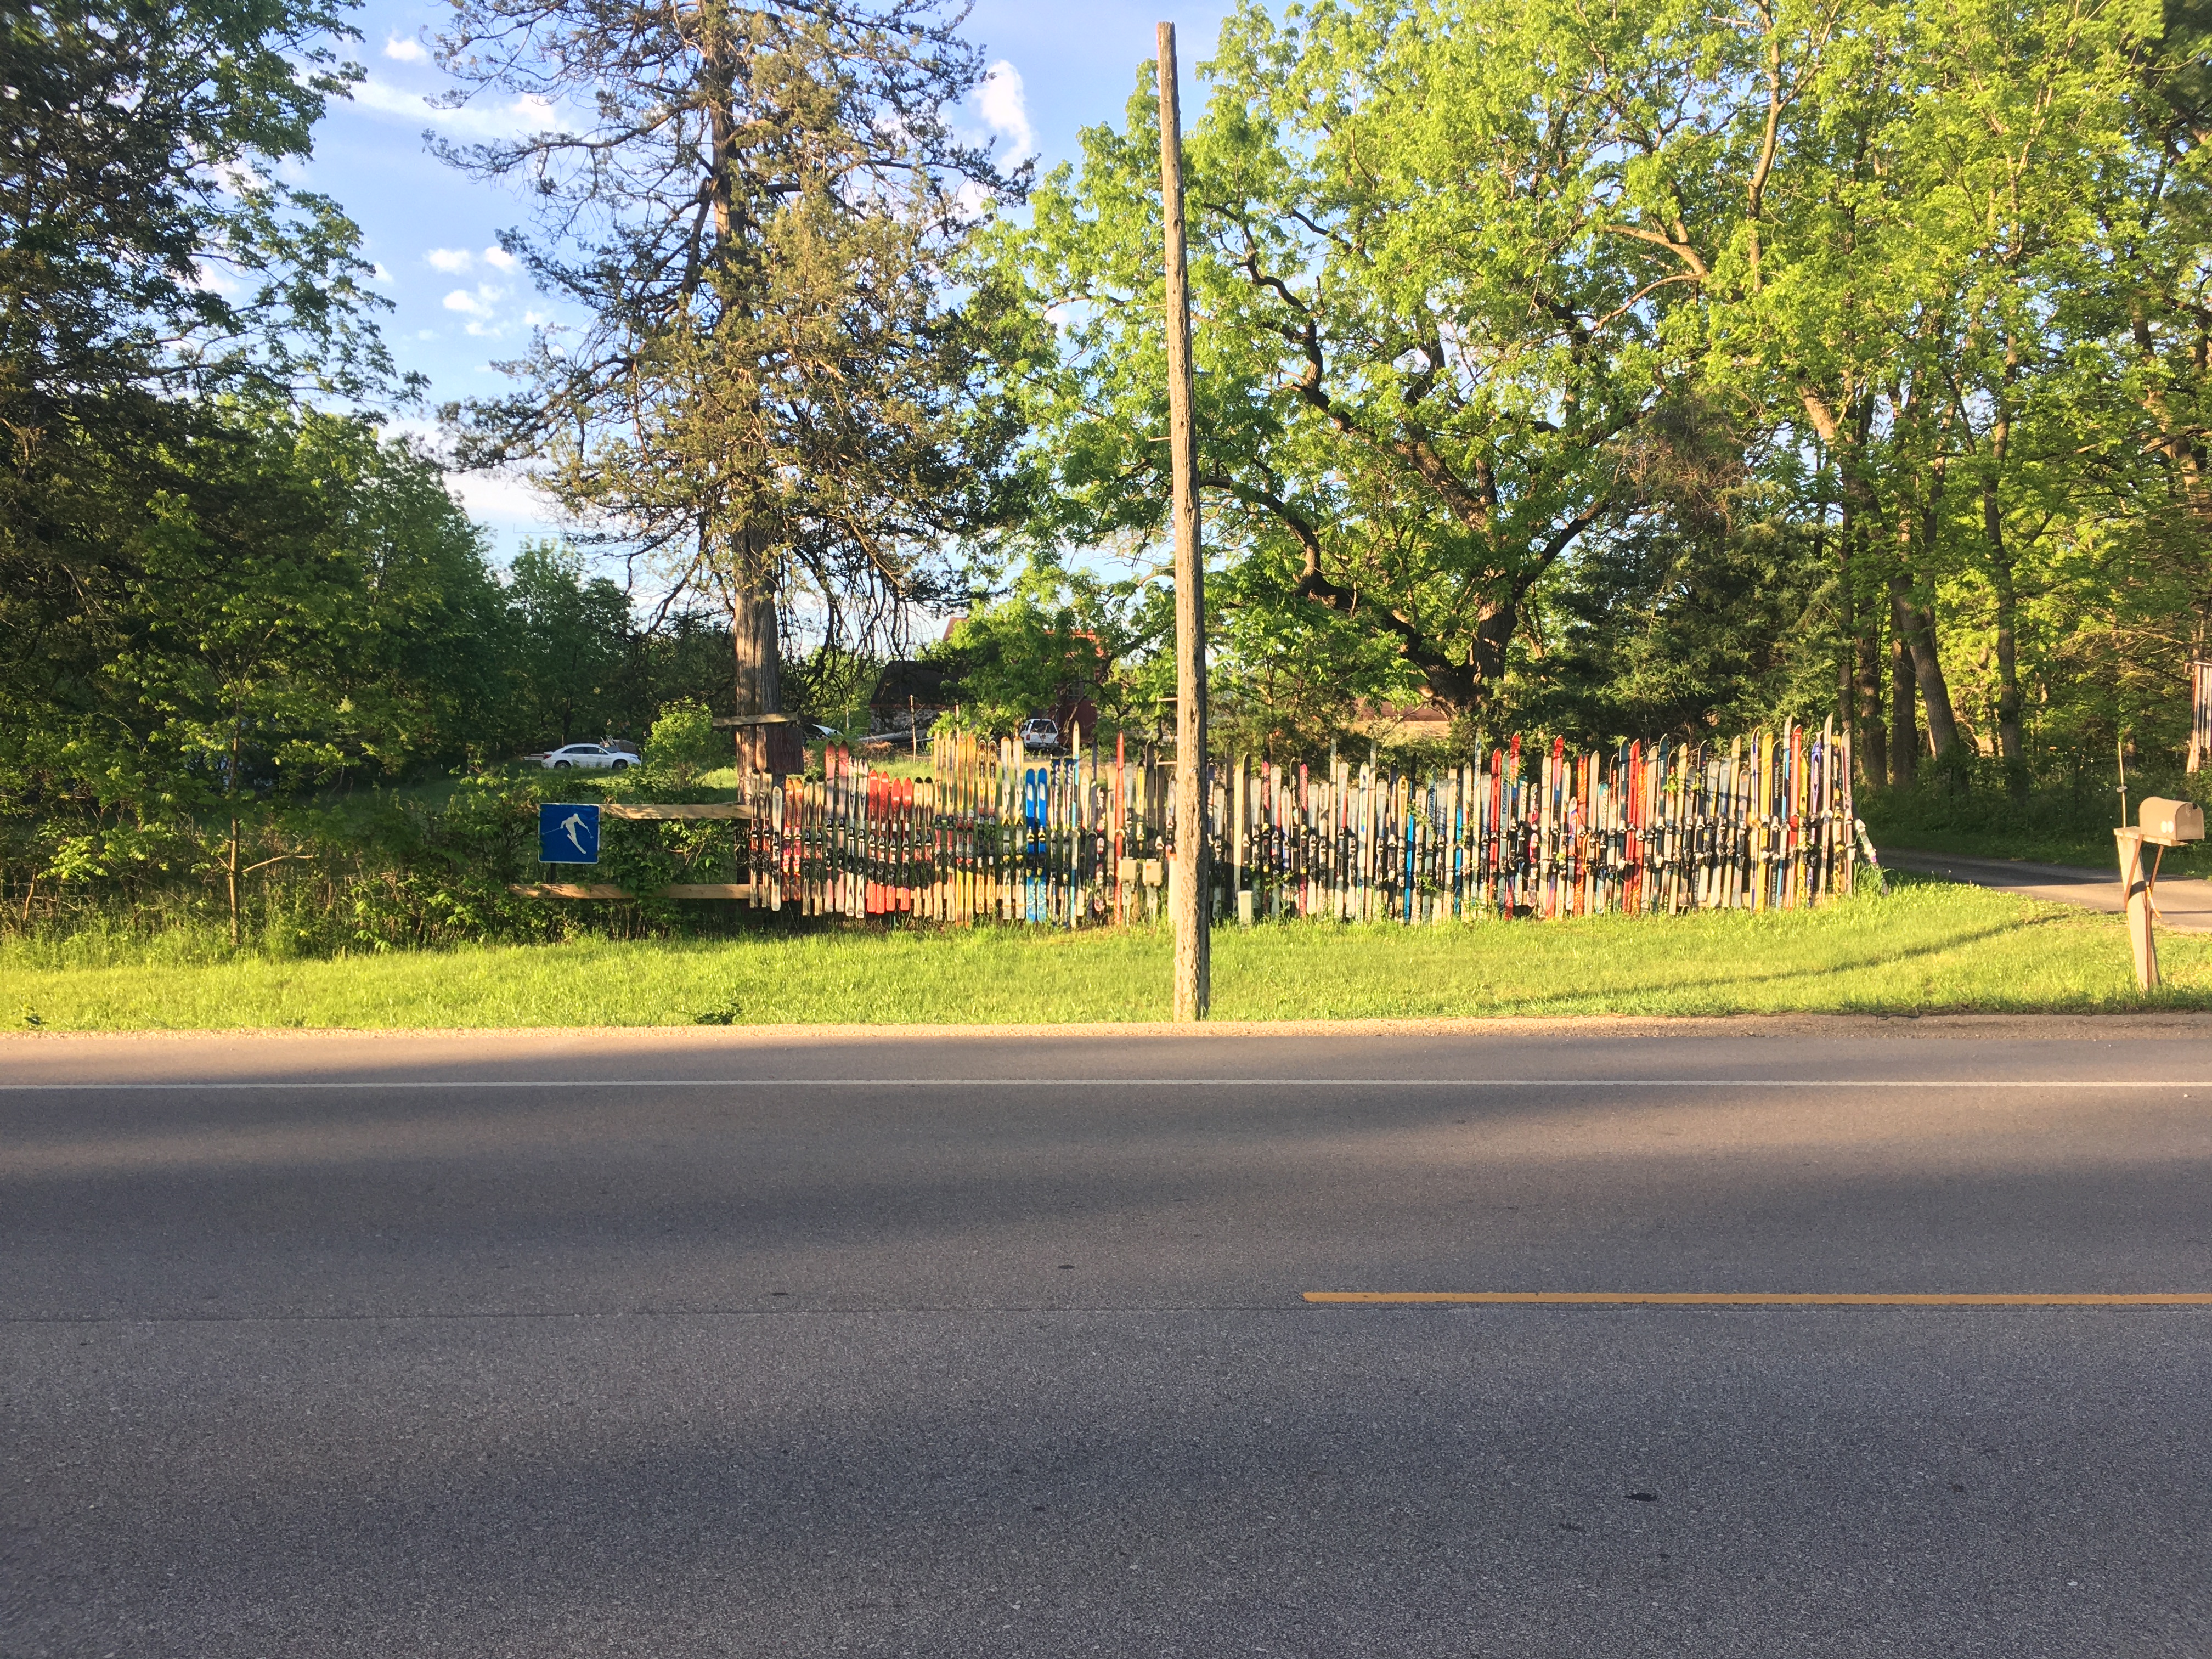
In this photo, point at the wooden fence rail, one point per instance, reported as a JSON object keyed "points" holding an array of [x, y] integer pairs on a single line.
{"points": [[1083, 841]]}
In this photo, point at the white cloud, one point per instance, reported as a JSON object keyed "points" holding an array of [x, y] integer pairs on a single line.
{"points": [[524, 115], [1000, 102], [451, 260], [500, 259], [503, 498], [507, 501], [478, 304], [377, 273], [480, 307], [403, 49]]}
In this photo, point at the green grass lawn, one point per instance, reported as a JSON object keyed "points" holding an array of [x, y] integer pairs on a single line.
{"points": [[1927, 947]]}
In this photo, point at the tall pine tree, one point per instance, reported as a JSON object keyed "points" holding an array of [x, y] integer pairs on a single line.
{"points": [[772, 395]]}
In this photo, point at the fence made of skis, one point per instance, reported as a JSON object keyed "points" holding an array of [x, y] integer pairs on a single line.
{"points": [[1087, 840]]}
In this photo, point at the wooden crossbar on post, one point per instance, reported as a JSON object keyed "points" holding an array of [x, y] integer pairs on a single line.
{"points": [[649, 812], [596, 890]]}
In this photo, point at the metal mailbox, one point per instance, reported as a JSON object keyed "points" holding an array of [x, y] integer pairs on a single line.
{"points": [[2169, 823]]}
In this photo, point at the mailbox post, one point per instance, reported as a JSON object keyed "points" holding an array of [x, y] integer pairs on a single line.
{"points": [[2163, 823]]}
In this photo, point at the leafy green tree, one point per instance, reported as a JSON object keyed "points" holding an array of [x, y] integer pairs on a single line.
{"points": [[427, 669], [1702, 610], [181, 624], [687, 654], [148, 241], [2102, 497], [1058, 637], [1918, 205], [1471, 272], [1421, 342], [151, 257], [572, 644], [683, 744]]}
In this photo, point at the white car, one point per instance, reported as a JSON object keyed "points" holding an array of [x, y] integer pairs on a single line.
{"points": [[588, 757]]}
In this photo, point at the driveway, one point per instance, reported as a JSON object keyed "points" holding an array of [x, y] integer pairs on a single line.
{"points": [[2185, 903]]}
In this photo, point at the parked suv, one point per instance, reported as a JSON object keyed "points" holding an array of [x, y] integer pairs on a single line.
{"points": [[1043, 734]]}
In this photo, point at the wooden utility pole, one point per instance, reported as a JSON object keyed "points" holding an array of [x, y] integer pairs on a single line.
{"points": [[1190, 884]]}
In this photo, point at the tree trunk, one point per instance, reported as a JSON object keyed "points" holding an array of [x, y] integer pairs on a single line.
{"points": [[2197, 635], [1870, 742], [1912, 623], [774, 749], [231, 870], [759, 668], [1916, 627], [1905, 733], [2001, 579], [1862, 669], [2007, 598], [1846, 439], [230, 788], [1847, 697], [759, 679], [1846, 712]]}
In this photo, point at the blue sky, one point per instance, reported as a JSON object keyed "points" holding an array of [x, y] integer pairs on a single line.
{"points": [[433, 231]]}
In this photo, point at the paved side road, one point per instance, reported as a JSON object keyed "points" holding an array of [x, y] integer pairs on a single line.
{"points": [[2184, 903], [788, 1343]]}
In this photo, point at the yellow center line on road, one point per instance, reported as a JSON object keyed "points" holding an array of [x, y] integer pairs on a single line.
{"points": [[1784, 1298]]}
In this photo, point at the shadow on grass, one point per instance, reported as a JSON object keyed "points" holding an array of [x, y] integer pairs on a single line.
{"points": [[1876, 959], [1722, 988]]}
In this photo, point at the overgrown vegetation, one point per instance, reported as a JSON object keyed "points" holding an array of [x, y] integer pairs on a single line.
{"points": [[388, 869]]}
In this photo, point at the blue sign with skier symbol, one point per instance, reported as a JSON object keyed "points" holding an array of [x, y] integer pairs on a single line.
{"points": [[567, 834]]}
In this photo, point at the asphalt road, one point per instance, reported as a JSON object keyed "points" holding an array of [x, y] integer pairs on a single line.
{"points": [[729, 1343]]}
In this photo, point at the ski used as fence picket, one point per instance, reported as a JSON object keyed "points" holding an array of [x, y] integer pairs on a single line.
{"points": [[994, 834]]}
